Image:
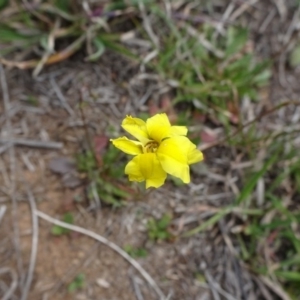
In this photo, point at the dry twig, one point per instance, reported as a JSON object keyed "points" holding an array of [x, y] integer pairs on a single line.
{"points": [[147, 25], [215, 287], [12, 159], [13, 285], [245, 6], [135, 284], [109, 244], [34, 245], [31, 143], [2, 211], [61, 97], [276, 288]]}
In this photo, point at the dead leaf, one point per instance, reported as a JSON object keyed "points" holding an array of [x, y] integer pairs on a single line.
{"points": [[66, 167], [103, 283], [208, 136], [167, 107], [153, 108], [62, 165], [199, 117], [100, 144], [71, 180]]}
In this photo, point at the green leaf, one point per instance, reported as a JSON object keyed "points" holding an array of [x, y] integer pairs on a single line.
{"points": [[60, 12], [117, 172], [100, 50], [110, 199], [164, 222], [294, 59], [210, 222], [86, 162], [240, 65], [244, 249], [236, 39], [135, 252], [112, 189], [250, 185], [295, 167], [288, 275], [44, 42], [291, 262], [122, 4], [110, 155], [177, 181], [57, 230], [262, 78], [3, 3], [109, 42], [72, 287], [8, 34], [68, 218], [158, 229], [63, 5], [77, 283]]}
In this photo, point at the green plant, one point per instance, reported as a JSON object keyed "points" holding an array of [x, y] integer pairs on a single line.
{"points": [[268, 242], [212, 72], [105, 178], [77, 283], [158, 229], [135, 252], [86, 162], [277, 233], [58, 230], [57, 29]]}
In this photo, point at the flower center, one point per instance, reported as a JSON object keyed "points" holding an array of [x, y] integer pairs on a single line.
{"points": [[150, 147]]}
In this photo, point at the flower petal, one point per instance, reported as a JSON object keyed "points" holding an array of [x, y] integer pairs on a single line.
{"points": [[137, 128], [173, 156], [128, 146], [158, 127], [146, 167], [178, 130], [194, 155], [133, 170]]}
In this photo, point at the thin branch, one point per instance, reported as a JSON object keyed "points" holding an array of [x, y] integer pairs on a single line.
{"points": [[227, 138], [12, 160], [147, 25], [2, 211], [31, 143], [215, 286], [109, 244], [136, 287], [13, 285], [5, 147], [275, 287], [245, 6], [34, 245], [61, 97]]}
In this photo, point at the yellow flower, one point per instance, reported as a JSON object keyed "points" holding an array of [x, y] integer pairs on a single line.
{"points": [[161, 149]]}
